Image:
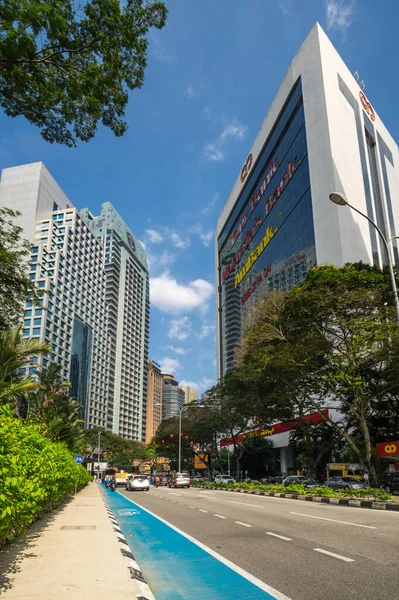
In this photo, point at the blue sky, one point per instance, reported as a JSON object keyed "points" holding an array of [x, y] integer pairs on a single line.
{"points": [[212, 74]]}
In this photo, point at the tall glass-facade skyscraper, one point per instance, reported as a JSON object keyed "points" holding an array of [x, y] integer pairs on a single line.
{"points": [[321, 134], [127, 295]]}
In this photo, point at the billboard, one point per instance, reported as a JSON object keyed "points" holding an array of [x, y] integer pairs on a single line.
{"points": [[201, 461]]}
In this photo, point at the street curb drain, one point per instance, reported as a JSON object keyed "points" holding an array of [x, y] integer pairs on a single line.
{"points": [[135, 572], [323, 499]]}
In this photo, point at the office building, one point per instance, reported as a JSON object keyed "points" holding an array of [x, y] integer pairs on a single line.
{"points": [[172, 397], [127, 295], [190, 394], [321, 134], [67, 263], [154, 399]]}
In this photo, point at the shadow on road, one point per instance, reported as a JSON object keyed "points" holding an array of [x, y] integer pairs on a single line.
{"points": [[23, 547]]}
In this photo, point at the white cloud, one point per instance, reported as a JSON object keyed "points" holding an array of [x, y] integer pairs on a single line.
{"points": [[153, 236], [178, 349], [170, 365], [160, 262], [211, 205], [206, 111], [202, 385], [178, 241], [193, 92], [179, 329], [286, 7], [339, 15], [172, 297], [213, 152], [205, 331], [206, 238], [231, 131], [158, 48]]}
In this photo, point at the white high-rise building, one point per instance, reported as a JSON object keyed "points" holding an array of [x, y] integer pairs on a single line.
{"points": [[321, 135], [67, 263], [127, 294]]}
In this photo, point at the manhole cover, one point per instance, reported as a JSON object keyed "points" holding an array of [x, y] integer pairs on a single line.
{"points": [[75, 527]]}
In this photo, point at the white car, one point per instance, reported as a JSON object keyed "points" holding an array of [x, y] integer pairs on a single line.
{"points": [[138, 482], [197, 478], [224, 479]]}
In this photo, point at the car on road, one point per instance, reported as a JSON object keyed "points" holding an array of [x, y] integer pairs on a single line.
{"points": [[137, 482], [179, 480], [294, 480], [163, 478], [344, 483], [197, 478], [391, 483], [224, 479]]}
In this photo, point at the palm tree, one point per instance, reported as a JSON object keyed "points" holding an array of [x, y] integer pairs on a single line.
{"points": [[16, 353], [52, 405]]}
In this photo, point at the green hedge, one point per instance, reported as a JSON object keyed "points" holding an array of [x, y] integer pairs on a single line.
{"points": [[369, 493], [35, 473]]}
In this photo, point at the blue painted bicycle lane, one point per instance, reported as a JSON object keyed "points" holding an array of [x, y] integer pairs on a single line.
{"points": [[177, 568]]}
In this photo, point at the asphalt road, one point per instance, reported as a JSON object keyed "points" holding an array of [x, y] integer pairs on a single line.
{"points": [[286, 543]]}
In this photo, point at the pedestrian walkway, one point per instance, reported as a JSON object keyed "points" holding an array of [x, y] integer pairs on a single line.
{"points": [[72, 553]]}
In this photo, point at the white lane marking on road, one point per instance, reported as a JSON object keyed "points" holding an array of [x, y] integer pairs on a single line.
{"points": [[173, 494], [245, 503], [260, 584], [243, 524], [202, 510], [220, 516], [344, 558], [190, 506], [207, 493], [333, 520], [281, 537]]}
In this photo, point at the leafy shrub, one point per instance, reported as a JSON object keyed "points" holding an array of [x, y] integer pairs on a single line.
{"points": [[369, 493], [35, 473]]}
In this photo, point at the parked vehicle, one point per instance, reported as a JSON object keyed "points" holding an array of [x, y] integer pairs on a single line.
{"points": [[224, 479], [137, 482], [179, 480], [198, 478], [163, 479], [294, 479], [390, 482], [344, 483]]}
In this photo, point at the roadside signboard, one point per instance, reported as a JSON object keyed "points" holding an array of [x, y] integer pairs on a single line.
{"points": [[390, 449], [201, 461], [78, 459]]}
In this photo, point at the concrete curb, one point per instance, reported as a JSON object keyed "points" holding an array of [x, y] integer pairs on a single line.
{"points": [[323, 499], [144, 591]]}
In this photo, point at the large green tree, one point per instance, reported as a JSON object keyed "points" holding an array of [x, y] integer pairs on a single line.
{"points": [[67, 65], [15, 285], [331, 342]]}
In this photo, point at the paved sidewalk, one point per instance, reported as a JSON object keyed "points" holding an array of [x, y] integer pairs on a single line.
{"points": [[58, 561]]}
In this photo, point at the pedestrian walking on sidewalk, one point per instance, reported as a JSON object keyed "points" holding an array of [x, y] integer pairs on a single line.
{"points": [[366, 479]]}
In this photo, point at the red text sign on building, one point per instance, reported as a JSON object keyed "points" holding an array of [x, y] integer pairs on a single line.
{"points": [[246, 168], [367, 106]]}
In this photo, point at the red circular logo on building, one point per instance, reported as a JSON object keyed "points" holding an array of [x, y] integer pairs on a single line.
{"points": [[246, 168], [131, 242]]}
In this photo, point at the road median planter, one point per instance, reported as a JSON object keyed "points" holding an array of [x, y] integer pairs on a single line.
{"points": [[386, 503]]}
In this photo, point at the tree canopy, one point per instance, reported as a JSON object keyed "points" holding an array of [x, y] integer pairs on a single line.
{"points": [[66, 66], [331, 342]]}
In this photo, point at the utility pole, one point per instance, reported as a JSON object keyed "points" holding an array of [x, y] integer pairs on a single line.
{"points": [[98, 456]]}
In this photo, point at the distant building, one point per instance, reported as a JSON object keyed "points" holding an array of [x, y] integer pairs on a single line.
{"points": [[204, 396], [172, 397], [154, 399], [191, 394]]}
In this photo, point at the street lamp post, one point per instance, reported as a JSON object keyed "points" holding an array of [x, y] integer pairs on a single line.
{"points": [[180, 412], [340, 200]]}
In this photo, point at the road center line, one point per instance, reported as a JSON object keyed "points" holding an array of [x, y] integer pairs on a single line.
{"points": [[333, 520], [344, 558], [220, 516], [245, 503], [281, 537], [243, 524], [190, 506], [202, 510]]}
